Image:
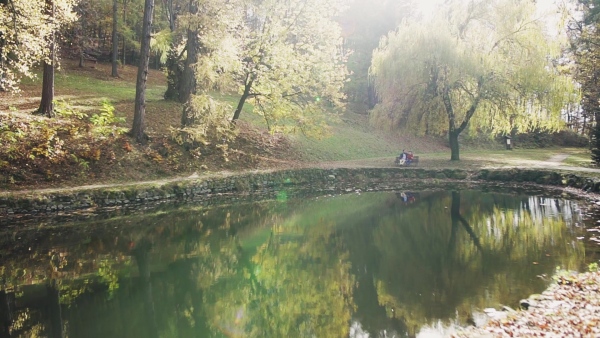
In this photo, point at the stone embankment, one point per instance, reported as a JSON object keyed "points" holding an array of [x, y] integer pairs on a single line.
{"points": [[63, 201]]}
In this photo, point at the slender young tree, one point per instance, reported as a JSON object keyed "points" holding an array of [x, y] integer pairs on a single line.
{"points": [[115, 41], [472, 65], [137, 130]]}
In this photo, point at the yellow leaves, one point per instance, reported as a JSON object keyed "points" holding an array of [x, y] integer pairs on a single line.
{"points": [[507, 48], [155, 156], [92, 154], [26, 36], [291, 64]]}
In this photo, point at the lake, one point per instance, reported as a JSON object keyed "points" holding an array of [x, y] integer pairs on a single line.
{"points": [[380, 264]]}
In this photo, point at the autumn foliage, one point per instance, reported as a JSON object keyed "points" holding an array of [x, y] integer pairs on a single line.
{"points": [[37, 148]]}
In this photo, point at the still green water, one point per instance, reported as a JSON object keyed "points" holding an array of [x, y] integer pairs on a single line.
{"points": [[390, 264]]}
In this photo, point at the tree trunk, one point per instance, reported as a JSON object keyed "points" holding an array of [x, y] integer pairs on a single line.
{"points": [[137, 131], [2, 43], [188, 83], [3, 75], [453, 130], [371, 95], [82, 39], [454, 150], [124, 23], [595, 136], [187, 119], [245, 95], [115, 42], [47, 103]]}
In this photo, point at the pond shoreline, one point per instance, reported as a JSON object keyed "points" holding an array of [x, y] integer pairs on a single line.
{"points": [[49, 203], [235, 188], [568, 308]]}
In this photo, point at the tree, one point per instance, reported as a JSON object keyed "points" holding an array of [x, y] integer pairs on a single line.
{"points": [[484, 64], [27, 30], [212, 51], [436, 267], [292, 67], [172, 66], [137, 131], [187, 87], [115, 41], [47, 102], [585, 45]]}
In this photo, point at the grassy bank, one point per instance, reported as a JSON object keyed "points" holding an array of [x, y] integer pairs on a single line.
{"points": [[350, 142]]}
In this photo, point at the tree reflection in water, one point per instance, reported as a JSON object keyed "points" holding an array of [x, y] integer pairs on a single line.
{"points": [[326, 267], [482, 251]]}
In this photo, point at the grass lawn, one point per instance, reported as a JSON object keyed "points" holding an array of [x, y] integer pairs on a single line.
{"points": [[352, 141], [579, 158], [114, 90]]}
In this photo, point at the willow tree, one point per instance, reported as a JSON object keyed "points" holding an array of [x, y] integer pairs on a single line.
{"points": [[487, 65], [292, 67]]}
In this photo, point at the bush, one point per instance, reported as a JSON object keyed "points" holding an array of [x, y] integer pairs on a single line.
{"points": [[543, 139], [38, 148]]}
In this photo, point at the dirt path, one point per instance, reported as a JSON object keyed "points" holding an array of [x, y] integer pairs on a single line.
{"points": [[558, 158], [468, 163]]}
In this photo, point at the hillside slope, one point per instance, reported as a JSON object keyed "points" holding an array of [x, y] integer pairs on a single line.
{"points": [[119, 159]]}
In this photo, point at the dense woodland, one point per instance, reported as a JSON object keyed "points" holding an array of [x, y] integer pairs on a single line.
{"points": [[460, 70]]}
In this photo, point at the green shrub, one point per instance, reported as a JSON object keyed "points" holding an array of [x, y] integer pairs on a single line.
{"points": [[105, 122]]}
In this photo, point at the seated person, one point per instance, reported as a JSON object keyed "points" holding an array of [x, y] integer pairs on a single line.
{"points": [[401, 159], [409, 157]]}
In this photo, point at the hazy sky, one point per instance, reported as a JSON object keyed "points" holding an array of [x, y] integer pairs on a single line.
{"points": [[547, 9], [428, 6]]}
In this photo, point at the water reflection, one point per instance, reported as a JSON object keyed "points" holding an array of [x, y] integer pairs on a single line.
{"points": [[370, 265]]}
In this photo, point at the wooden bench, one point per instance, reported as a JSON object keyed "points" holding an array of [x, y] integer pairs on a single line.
{"points": [[414, 162]]}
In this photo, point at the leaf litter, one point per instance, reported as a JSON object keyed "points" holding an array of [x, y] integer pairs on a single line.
{"points": [[570, 307]]}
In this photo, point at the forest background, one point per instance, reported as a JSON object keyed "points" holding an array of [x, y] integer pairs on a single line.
{"points": [[112, 91]]}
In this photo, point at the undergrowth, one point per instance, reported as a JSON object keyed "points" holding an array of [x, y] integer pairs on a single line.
{"points": [[34, 147]]}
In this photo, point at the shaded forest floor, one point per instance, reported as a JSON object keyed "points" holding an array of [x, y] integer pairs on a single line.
{"points": [[65, 152]]}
